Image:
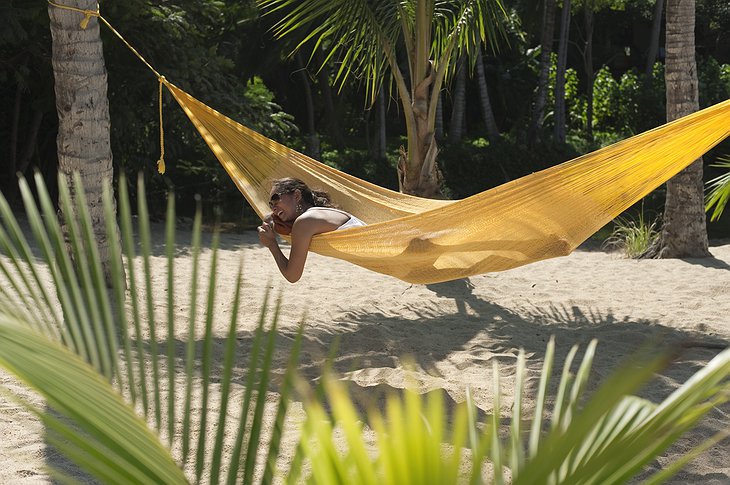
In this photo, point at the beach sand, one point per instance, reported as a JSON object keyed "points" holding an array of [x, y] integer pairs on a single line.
{"points": [[452, 332]]}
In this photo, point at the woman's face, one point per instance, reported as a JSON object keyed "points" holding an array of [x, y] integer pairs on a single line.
{"points": [[283, 204]]}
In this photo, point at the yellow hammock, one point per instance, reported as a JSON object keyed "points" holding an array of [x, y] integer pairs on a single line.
{"points": [[543, 215]]}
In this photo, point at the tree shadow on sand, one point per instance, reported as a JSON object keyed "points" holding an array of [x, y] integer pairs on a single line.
{"points": [[373, 347]]}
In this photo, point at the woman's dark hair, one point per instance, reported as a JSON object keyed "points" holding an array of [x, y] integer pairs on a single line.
{"points": [[316, 198]]}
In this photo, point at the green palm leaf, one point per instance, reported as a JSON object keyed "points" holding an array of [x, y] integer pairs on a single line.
{"points": [[368, 51], [719, 191], [114, 443], [104, 359], [605, 439]]}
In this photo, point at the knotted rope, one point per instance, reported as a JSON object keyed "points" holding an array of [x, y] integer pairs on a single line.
{"points": [[83, 24]]}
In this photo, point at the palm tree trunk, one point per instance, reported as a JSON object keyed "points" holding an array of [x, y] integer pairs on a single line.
{"points": [[418, 172], [456, 127], [489, 122], [439, 125], [684, 233], [381, 138], [546, 49], [559, 128], [656, 28], [83, 112]]}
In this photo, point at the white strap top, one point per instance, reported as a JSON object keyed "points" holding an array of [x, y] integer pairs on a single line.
{"points": [[351, 222]]}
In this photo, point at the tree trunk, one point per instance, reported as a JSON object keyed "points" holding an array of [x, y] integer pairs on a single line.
{"points": [[313, 146], [83, 113], [487, 113], [439, 125], [684, 233], [418, 172], [546, 49], [559, 128], [456, 127], [381, 138], [588, 16], [656, 29]]}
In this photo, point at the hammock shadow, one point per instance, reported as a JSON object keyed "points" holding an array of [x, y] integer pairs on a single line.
{"points": [[373, 349], [486, 331]]}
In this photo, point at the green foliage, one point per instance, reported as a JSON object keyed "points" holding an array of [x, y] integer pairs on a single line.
{"points": [[121, 396], [634, 104], [642, 101], [475, 165], [606, 100], [362, 164], [574, 100], [109, 371], [719, 191], [714, 81], [633, 237]]}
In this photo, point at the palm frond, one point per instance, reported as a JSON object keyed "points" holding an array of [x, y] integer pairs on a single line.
{"points": [[116, 350], [718, 193], [96, 426], [605, 439], [365, 35], [361, 51]]}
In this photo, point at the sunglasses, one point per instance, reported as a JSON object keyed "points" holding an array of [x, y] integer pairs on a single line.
{"points": [[276, 197]]}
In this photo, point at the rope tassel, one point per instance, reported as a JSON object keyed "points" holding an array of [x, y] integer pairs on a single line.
{"points": [[161, 161], [85, 23]]}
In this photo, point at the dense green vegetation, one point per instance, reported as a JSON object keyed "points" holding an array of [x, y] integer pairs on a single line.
{"points": [[223, 53]]}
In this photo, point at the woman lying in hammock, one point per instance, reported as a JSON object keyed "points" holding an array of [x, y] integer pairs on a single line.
{"points": [[301, 212]]}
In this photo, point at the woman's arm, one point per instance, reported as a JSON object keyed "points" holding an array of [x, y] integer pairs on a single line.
{"points": [[292, 267]]}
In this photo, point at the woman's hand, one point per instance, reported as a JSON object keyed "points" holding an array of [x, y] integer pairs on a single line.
{"points": [[281, 226], [267, 236]]}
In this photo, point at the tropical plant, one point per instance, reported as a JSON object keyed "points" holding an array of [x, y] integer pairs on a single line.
{"points": [[633, 237], [719, 190], [606, 440], [95, 356], [121, 398], [368, 36]]}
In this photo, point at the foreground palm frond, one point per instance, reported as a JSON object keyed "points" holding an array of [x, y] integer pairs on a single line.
{"points": [[97, 357], [606, 440], [121, 396], [718, 190]]}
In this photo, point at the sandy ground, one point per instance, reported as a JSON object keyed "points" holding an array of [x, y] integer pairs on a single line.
{"points": [[453, 331]]}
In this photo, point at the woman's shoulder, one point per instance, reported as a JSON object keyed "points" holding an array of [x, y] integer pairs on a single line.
{"points": [[326, 216]]}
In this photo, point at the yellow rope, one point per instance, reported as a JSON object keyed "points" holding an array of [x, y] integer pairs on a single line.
{"points": [[161, 161], [84, 23]]}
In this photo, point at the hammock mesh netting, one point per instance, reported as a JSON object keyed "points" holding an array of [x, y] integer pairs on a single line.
{"points": [[543, 215]]}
